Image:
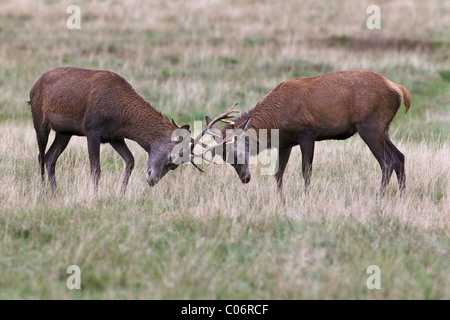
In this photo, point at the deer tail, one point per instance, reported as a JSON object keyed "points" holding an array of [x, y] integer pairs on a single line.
{"points": [[406, 97]]}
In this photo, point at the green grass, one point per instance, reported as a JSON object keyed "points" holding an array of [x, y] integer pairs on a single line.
{"points": [[192, 257]]}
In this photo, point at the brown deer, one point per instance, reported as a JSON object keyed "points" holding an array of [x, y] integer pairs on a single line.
{"points": [[104, 107], [329, 106]]}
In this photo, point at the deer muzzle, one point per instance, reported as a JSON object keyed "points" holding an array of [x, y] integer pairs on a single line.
{"points": [[152, 179], [245, 178]]}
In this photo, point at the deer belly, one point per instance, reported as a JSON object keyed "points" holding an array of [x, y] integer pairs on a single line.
{"points": [[65, 124], [335, 132]]}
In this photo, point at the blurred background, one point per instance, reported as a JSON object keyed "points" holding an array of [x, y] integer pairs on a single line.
{"points": [[189, 58]]}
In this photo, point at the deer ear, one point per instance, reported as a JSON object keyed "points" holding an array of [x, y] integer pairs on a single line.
{"points": [[208, 121]]}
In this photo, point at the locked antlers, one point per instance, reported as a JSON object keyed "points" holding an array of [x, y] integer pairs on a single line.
{"points": [[230, 113], [224, 117]]}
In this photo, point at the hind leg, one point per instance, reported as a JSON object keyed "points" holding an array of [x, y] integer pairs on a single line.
{"points": [[398, 162], [42, 133], [57, 147], [94, 141], [376, 142]]}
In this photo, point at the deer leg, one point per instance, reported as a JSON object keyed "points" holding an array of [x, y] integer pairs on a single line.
{"points": [[398, 163], [283, 158], [42, 133], [57, 147], [126, 154], [307, 142], [94, 159], [376, 142]]}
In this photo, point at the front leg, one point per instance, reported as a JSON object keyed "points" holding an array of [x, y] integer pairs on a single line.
{"points": [[94, 158], [283, 158], [126, 154], [306, 142]]}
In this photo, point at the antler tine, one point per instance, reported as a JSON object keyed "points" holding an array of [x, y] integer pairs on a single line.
{"points": [[202, 157], [231, 123], [215, 134], [196, 167], [193, 155], [230, 113], [228, 139], [176, 124]]}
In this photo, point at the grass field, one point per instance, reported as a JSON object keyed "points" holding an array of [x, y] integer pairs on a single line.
{"points": [[207, 236]]}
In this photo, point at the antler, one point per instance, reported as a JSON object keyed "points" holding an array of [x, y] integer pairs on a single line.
{"points": [[228, 139], [192, 139], [193, 163], [193, 154], [230, 113], [176, 124]]}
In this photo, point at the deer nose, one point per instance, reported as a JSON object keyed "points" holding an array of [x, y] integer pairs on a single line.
{"points": [[246, 178], [151, 179]]}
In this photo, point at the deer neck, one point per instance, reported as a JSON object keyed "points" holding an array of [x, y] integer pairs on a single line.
{"points": [[149, 128]]}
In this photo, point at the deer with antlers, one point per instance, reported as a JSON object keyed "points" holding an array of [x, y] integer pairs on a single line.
{"points": [[105, 108], [330, 106]]}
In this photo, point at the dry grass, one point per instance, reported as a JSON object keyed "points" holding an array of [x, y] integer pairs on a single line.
{"points": [[209, 236], [345, 182]]}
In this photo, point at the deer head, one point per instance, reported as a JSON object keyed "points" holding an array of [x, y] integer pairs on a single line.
{"points": [[160, 159]]}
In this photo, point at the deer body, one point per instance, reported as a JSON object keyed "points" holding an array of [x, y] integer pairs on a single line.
{"points": [[331, 106], [104, 107]]}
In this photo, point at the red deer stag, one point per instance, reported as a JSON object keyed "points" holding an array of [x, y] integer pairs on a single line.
{"points": [[104, 107], [329, 106]]}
